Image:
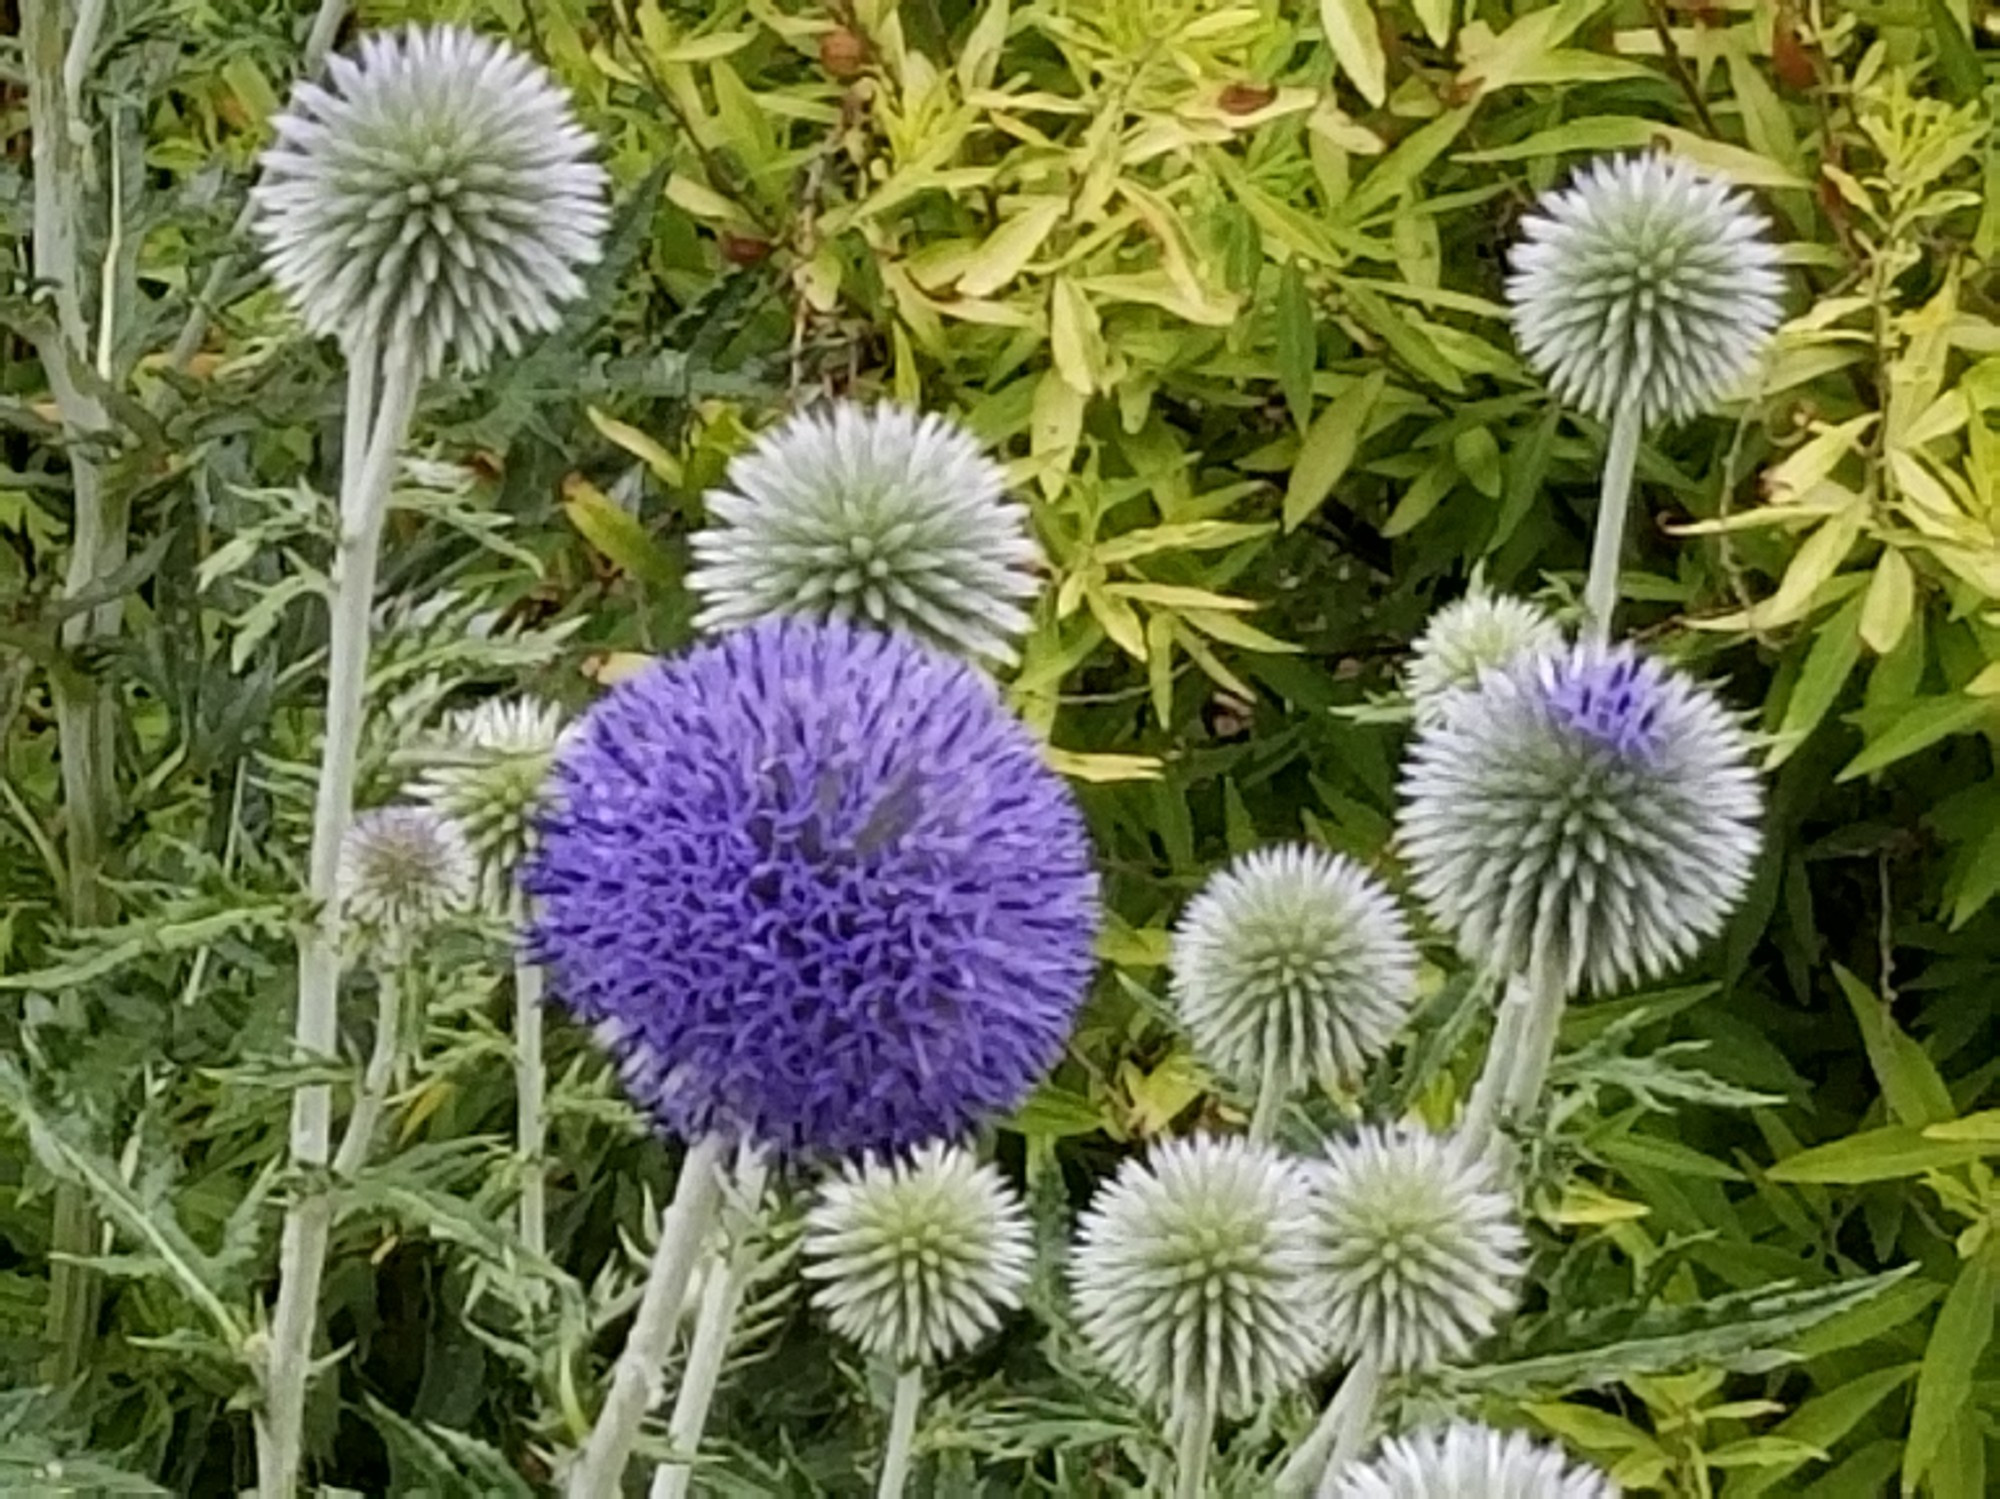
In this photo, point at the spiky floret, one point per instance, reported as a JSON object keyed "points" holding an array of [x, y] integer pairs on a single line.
{"points": [[1644, 281], [1191, 1278], [1292, 963], [1469, 637], [1591, 811], [916, 1259], [1417, 1246], [435, 190], [486, 769], [872, 513], [403, 869], [1468, 1461]]}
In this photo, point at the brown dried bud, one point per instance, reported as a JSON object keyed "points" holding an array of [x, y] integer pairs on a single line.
{"points": [[1246, 98], [741, 249], [842, 53]]}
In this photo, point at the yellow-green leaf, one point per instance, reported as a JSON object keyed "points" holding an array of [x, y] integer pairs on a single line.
{"points": [[1958, 1340], [1917, 729], [665, 467], [1886, 607], [1877, 1155], [1329, 447], [1076, 337], [1009, 248], [617, 534], [1119, 618], [1178, 596], [1101, 769], [1357, 45]]}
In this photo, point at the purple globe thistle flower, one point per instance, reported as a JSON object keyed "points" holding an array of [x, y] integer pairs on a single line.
{"points": [[815, 886], [1589, 808]]}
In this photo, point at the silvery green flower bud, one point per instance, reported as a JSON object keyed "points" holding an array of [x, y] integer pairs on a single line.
{"points": [[1466, 1461], [403, 869], [1469, 637]]}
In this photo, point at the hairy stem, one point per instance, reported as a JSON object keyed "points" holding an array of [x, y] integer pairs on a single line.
{"points": [[1270, 1100], [1194, 1440], [902, 1433], [721, 1298], [530, 1084], [1337, 1437], [1518, 1058], [364, 497], [599, 1472], [1600, 591], [380, 1073]]}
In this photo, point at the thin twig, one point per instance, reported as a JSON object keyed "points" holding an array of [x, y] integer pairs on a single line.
{"points": [[1677, 65]]}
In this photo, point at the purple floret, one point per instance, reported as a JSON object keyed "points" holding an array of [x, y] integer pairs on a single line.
{"points": [[1611, 696], [815, 886]]}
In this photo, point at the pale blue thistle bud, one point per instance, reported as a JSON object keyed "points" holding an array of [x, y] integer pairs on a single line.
{"points": [[1467, 638], [1467, 1461]]}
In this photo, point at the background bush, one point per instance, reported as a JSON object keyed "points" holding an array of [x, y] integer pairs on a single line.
{"points": [[1222, 284]]}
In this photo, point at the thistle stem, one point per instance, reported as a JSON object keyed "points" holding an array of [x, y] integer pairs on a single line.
{"points": [[530, 1121], [1525, 1032], [635, 1379], [1338, 1436], [721, 1298], [1270, 1100], [1600, 590], [364, 499], [902, 1433], [376, 1078]]}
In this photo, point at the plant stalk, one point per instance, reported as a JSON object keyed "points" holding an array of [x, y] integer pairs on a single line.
{"points": [[364, 499], [530, 1086], [721, 1298], [1600, 590], [902, 1433], [1270, 1100], [599, 1472], [1338, 1436], [1518, 1058], [1193, 1442], [379, 1075]]}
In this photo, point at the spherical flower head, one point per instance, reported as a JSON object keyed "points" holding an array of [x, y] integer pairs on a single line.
{"points": [[1644, 282], [1467, 1461], [435, 191], [916, 1259], [1470, 637], [1591, 812], [816, 887], [403, 869], [487, 771], [870, 513], [1292, 963], [1417, 1244], [1192, 1281]]}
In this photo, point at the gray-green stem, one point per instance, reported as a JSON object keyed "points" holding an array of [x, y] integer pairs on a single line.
{"points": [[1600, 590], [1338, 1436], [599, 1471], [364, 501], [1525, 1032], [902, 1433], [1270, 1099], [379, 1076], [530, 1085], [721, 1298]]}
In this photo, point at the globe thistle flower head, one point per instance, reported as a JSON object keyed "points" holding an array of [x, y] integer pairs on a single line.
{"points": [[1417, 1245], [816, 888], [487, 771], [916, 1259], [1468, 1461], [1647, 283], [1292, 963], [403, 869], [1469, 637], [1191, 1278], [1590, 811], [434, 192], [874, 514]]}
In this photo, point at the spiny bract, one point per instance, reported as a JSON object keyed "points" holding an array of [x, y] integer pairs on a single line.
{"points": [[1292, 963], [1644, 281], [486, 769], [1191, 1277], [917, 1258], [1417, 1245], [815, 886], [1591, 811], [875, 514], [402, 869], [1469, 637], [1467, 1461], [434, 193]]}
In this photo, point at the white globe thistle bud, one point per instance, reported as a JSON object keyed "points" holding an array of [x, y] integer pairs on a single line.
{"points": [[1467, 1461], [1469, 637], [403, 869], [1590, 811], [1417, 1245], [1192, 1279], [1644, 282], [875, 514], [917, 1259], [1292, 963], [434, 192], [487, 771]]}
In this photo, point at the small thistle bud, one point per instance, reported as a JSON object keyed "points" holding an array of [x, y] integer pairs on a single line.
{"points": [[1417, 1245], [436, 191], [917, 1259], [1292, 963], [486, 772], [403, 869], [1590, 810], [1644, 282], [1192, 1281], [1465, 1461], [874, 514], [1469, 637]]}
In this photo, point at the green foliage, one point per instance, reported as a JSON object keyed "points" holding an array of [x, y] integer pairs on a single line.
{"points": [[1222, 284]]}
